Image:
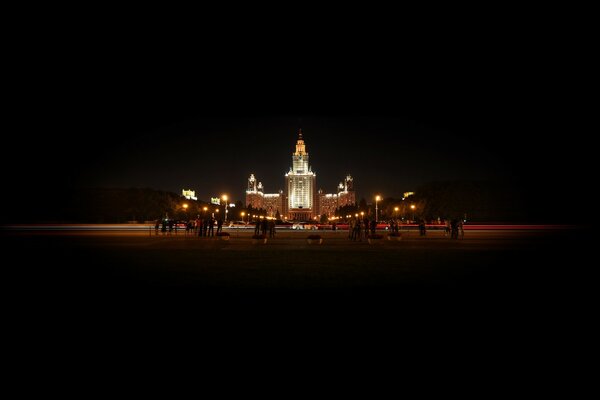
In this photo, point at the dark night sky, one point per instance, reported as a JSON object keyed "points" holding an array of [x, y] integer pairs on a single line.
{"points": [[393, 119], [385, 154]]}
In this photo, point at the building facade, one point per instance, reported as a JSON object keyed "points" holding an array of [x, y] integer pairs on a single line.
{"points": [[300, 185], [299, 201], [270, 202], [328, 202], [189, 194]]}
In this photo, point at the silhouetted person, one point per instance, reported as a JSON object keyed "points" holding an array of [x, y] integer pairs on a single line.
{"points": [[200, 226], [271, 228], [257, 227], [156, 225], [356, 230], [219, 225], [263, 227], [422, 229], [211, 227], [454, 229], [206, 224]]}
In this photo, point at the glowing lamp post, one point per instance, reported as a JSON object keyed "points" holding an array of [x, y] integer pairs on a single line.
{"points": [[412, 207], [377, 198], [224, 197], [185, 207]]}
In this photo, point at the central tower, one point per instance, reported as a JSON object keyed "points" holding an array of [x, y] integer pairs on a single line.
{"points": [[300, 185]]}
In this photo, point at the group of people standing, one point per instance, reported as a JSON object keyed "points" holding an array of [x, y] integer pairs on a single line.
{"points": [[454, 229], [359, 228], [199, 226], [263, 225]]}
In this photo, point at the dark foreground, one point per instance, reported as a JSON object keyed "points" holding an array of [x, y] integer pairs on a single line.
{"points": [[486, 274], [505, 298]]}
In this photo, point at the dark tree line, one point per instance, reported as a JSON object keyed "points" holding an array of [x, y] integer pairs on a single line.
{"points": [[122, 205], [480, 201], [114, 205], [473, 200], [477, 201]]}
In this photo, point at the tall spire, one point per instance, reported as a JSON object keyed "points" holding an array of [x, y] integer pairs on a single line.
{"points": [[300, 146]]}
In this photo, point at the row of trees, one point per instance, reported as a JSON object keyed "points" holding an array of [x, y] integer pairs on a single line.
{"points": [[474, 200], [117, 205], [478, 200]]}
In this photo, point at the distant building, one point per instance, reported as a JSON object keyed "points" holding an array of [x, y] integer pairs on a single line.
{"points": [[254, 193], [300, 185], [299, 201], [271, 202], [189, 194], [328, 202]]}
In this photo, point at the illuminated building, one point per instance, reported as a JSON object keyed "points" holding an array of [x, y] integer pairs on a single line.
{"points": [[270, 202], [299, 201], [254, 193], [189, 194], [273, 202], [300, 185], [328, 202]]}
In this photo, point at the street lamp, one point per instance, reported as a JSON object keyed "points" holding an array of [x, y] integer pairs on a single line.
{"points": [[412, 207], [224, 197], [377, 198], [185, 207], [242, 214]]}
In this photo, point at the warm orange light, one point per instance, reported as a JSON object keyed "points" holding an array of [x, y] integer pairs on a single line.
{"points": [[395, 208], [205, 208], [412, 206], [378, 198], [185, 206], [224, 197], [362, 213], [217, 210], [243, 213], [356, 215]]}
